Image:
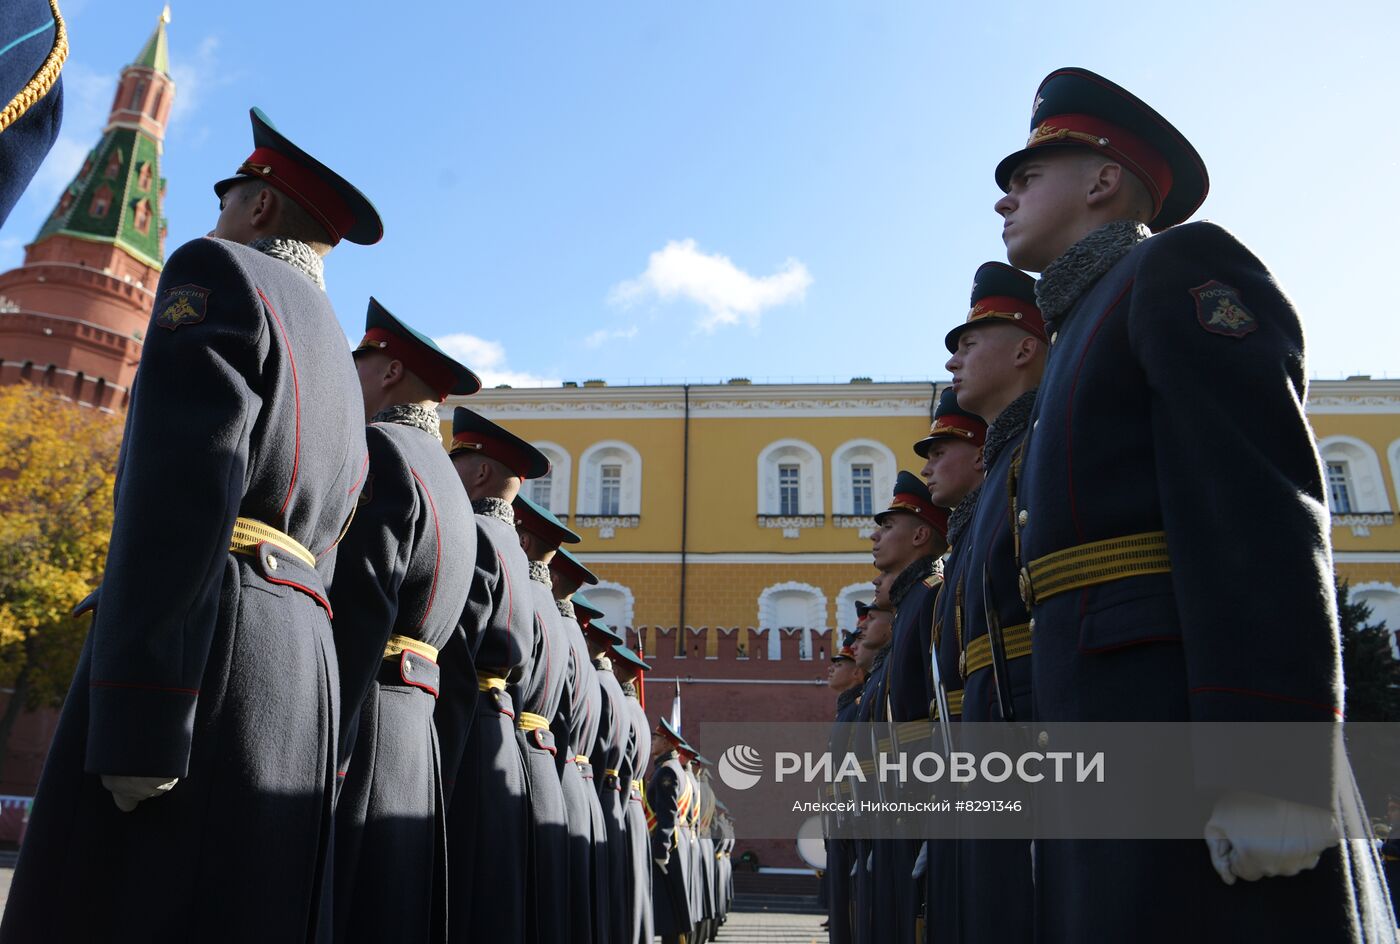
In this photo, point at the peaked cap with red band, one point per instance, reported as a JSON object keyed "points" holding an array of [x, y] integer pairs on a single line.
{"points": [[540, 522], [951, 421], [570, 568], [418, 352], [472, 432], [1076, 108], [605, 632], [911, 495], [342, 211], [1001, 293], [585, 606]]}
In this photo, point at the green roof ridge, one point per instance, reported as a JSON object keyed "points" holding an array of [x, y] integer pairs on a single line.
{"points": [[156, 53]]}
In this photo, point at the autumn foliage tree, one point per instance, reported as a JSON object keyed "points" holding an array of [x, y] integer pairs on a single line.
{"points": [[57, 467]]}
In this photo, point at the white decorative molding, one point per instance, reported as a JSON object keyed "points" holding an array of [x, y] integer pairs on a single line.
{"points": [[616, 602], [791, 605], [1392, 455], [1366, 557], [560, 468], [864, 524], [607, 525], [846, 603], [1361, 525], [590, 464], [1368, 489], [792, 525], [809, 462], [883, 465]]}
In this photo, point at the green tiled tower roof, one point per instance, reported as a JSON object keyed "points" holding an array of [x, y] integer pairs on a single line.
{"points": [[118, 196]]}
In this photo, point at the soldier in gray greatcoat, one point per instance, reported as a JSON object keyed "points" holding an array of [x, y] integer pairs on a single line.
{"points": [[668, 800], [579, 721], [545, 732], [486, 667], [403, 572], [188, 790], [629, 668]]}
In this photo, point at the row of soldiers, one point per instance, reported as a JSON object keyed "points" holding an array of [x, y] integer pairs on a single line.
{"points": [[340, 684], [1120, 517]]}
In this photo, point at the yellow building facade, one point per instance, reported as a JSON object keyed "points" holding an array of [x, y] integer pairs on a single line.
{"points": [[748, 507]]}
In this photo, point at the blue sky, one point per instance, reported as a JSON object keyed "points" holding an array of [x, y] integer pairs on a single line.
{"points": [[777, 190]]}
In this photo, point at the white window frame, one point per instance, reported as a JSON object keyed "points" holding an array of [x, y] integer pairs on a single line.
{"points": [[1367, 483], [809, 462], [883, 468], [609, 452]]}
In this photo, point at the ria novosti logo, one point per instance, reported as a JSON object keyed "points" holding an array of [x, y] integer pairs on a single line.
{"points": [[740, 767]]}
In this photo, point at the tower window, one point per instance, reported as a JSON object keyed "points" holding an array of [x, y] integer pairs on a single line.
{"points": [[1338, 488], [143, 179], [114, 164], [101, 202]]}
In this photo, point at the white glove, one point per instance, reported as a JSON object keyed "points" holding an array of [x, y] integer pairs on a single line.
{"points": [[1251, 836], [920, 863], [661, 864], [127, 792]]}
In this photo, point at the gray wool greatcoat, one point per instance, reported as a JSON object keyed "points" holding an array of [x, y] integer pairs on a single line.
{"points": [[668, 790], [548, 919], [403, 569], [1172, 401], [214, 667], [638, 881], [608, 749], [488, 813]]}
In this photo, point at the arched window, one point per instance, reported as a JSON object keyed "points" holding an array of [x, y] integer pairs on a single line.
{"points": [[846, 604], [142, 216], [143, 177], [616, 602], [1354, 481], [610, 480], [1384, 601], [552, 490], [114, 164], [788, 608], [138, 95], [790, 479], [862, 477]]}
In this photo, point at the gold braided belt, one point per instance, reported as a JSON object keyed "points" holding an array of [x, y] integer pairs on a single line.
{"points": [[44, 78], [1088, 565], [955, 700], [529, 721], [401, 644], [490, 683], [1017, 640], [249, 533]]}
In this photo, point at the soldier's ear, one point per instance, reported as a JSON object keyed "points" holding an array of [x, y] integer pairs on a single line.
{"points": [[1105, 184]]}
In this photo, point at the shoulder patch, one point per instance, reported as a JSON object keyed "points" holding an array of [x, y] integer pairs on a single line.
{"points": [[1220, 311], [182, 305], [933, 580]]}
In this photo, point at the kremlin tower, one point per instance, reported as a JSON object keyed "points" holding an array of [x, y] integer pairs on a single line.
{"points": [[72, 317]]}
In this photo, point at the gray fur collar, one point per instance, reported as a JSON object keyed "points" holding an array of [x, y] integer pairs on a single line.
{"points": [[602, 663], [910, 577], [566, 608], [411, 414], [1081, 265], [629, 689], [849, 695], [539, 573], [1011, 422], [878, 663], [961, 516], [497, 508], [296, 254]]}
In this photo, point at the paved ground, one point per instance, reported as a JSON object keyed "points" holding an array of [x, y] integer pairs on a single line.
{"points": [[772, 927], [765, 927]]}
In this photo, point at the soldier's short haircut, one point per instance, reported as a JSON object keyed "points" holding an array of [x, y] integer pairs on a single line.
{"points": [[294, 222]]}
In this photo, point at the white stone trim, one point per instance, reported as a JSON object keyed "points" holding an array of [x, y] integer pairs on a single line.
{"points": [[629, 601], [1364, 470], [882, 478], [845, 603], [1366, 557], [590, 466], [809, 461], [767, 614], [560, 483]]}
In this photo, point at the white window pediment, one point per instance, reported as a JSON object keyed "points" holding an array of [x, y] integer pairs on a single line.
{"points": [[615, 601], [848, 463], [1352, 468], [846, 603], [791, 608], [620, 460], [790, 464], [555, 486]]}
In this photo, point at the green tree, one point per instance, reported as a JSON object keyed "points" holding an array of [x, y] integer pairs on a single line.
{"points": [[57, 467], [1371, 671]]}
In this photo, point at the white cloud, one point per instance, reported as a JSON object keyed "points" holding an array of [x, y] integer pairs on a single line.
{"points": [[597, 338], [194, 76], [727, 293], [488, 360]]}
